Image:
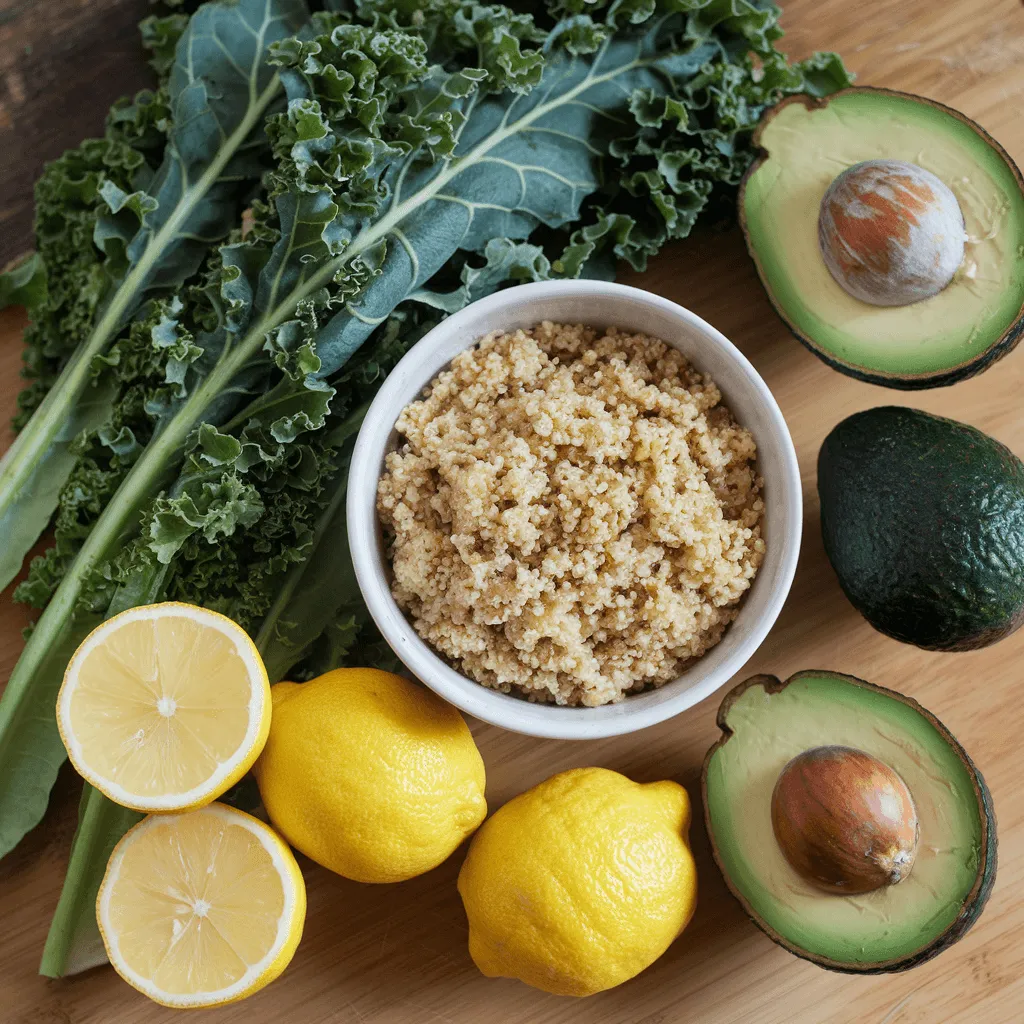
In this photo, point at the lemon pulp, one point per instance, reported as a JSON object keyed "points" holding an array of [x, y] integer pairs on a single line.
{"points": [[201, 908], [164, 707]]}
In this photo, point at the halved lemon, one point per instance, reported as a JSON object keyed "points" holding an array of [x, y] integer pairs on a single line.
{"points": [[201, 908], [165, 707]]}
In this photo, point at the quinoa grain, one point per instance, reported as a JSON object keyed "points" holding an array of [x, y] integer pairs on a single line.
{"points": [[573, 515]]}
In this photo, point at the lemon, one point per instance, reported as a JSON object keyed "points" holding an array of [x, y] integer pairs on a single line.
{"points": [[164, 707], [370, 775], [578, 884], [201, 908]]}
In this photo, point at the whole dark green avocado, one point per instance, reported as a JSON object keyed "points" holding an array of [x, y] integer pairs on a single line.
{"points": [[923, 522]]}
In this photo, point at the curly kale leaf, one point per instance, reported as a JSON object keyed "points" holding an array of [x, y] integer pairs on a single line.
{"points": [[69, 280], [160, 36], [132, 216], [503, 43]]}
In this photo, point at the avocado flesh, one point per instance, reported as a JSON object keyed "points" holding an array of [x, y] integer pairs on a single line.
{"points": [[922, 518], [807, 149], [880, 927]]}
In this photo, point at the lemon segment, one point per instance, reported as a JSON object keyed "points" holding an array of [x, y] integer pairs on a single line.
{"points": [[370, 775], [164, 707], [201, 908], [580, 883]]}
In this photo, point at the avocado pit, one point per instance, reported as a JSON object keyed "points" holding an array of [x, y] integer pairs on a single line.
{"points": [[844, 820], [890, 232]]}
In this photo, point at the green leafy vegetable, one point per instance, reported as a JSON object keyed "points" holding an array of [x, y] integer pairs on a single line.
{"points": [[429, 153], [114, 229]]}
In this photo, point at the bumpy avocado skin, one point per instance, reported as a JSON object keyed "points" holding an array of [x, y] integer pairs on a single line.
{"points": [[923, 521]]}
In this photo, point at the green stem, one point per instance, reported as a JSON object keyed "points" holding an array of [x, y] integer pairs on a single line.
{"points": [[73, 943]]}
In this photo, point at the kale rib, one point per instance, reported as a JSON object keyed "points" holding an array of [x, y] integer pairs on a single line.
{"points": [[73, 943]]}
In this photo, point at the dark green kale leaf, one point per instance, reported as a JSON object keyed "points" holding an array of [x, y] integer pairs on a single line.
{"points": [[130, 217]]}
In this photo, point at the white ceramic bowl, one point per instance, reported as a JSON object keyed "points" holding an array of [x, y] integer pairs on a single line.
{"points": [[601, 305]]}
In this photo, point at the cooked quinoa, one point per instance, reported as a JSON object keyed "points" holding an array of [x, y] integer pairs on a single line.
{"points": [[573, 515]]}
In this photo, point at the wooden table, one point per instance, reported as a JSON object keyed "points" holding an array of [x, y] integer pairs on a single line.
{"points": [[397, 954]]}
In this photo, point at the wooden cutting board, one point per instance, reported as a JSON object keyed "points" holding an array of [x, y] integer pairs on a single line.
{"points": [[397, 954]]}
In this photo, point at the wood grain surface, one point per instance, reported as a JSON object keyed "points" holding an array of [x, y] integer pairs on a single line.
{"points": [[397, 954], [62, 63]]}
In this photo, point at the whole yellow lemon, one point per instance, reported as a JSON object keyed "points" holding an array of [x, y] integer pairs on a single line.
{"points": [[370, 775], [578, 884]]}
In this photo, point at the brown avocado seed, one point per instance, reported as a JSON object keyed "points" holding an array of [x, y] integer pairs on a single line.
{"points": [[844, 820], [890, 232]]}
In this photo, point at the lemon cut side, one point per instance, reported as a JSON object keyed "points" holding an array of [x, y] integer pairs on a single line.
{"points": [[165, 707], [202, 908]]}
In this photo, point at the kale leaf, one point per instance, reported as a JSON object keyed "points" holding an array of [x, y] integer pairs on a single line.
{"points": [[130, 216]]}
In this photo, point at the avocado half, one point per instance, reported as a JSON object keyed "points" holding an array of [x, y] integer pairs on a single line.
{"points": [[765, 723], [922, 518], [973, 321]]}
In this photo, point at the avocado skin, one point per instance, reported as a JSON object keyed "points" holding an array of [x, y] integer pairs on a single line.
{"points": [[923, 521], [972, 907]]}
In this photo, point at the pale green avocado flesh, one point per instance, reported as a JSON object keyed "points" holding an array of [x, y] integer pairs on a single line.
{"points": [[806, 149], [880, 927]]}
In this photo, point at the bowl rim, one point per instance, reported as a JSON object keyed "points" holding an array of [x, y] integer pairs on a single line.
{"points": [[491, 706]]}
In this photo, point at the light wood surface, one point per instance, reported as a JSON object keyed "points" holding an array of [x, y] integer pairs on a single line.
{"points": [[397, 954]]}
